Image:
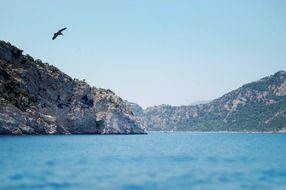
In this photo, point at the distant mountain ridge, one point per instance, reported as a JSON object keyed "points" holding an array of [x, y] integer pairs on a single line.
{"points": [[37, 98], [255, 107]]}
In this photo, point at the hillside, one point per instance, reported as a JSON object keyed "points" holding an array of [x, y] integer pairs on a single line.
{"points": [[37, 98], [257, 106]]}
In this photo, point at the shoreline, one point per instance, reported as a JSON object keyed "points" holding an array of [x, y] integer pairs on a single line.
{"points": [[222, 132]]}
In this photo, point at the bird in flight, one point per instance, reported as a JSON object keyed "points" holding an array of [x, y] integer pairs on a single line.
{"points": [[58, 33]]}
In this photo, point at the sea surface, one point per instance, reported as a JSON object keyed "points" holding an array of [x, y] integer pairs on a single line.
{"points": [[179, 161]]}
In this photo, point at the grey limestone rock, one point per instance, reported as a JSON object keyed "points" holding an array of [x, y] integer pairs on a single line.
{"points": [[38, 98]]}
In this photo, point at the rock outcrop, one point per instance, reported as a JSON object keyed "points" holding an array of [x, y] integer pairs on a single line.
{"points": [[37, 98], [258, 106]]}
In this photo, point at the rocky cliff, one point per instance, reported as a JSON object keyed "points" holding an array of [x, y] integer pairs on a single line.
{"points": [[257, 106], [37, 98]]}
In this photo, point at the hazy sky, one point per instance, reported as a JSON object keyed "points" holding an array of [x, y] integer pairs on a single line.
{"points": [[153, 51]]}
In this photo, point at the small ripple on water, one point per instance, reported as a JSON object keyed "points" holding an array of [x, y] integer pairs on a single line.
{"points": [[46, 185], [182, 158], [26, 176], [132, 187], [211, 159], [16, 177], [50, 163], [273, 173]]}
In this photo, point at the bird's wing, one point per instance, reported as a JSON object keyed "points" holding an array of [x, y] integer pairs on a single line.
{"points": [[55, 36], [62, 29]]}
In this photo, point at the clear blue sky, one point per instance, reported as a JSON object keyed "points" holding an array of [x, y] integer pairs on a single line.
{"points": [[154, 51]]}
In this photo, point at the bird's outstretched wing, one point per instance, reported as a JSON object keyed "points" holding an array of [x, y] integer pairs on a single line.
{"points": [[55, 36], [62, 29]]}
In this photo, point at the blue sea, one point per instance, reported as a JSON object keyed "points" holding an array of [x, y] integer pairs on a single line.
{"points": [[179, 161]]}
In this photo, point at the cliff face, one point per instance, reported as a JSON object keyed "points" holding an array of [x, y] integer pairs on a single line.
{"points": [[37, 98], [257, 106]]}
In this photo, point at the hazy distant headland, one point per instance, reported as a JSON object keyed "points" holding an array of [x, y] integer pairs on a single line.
{"points": [[38, 98], [255, 107]]}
